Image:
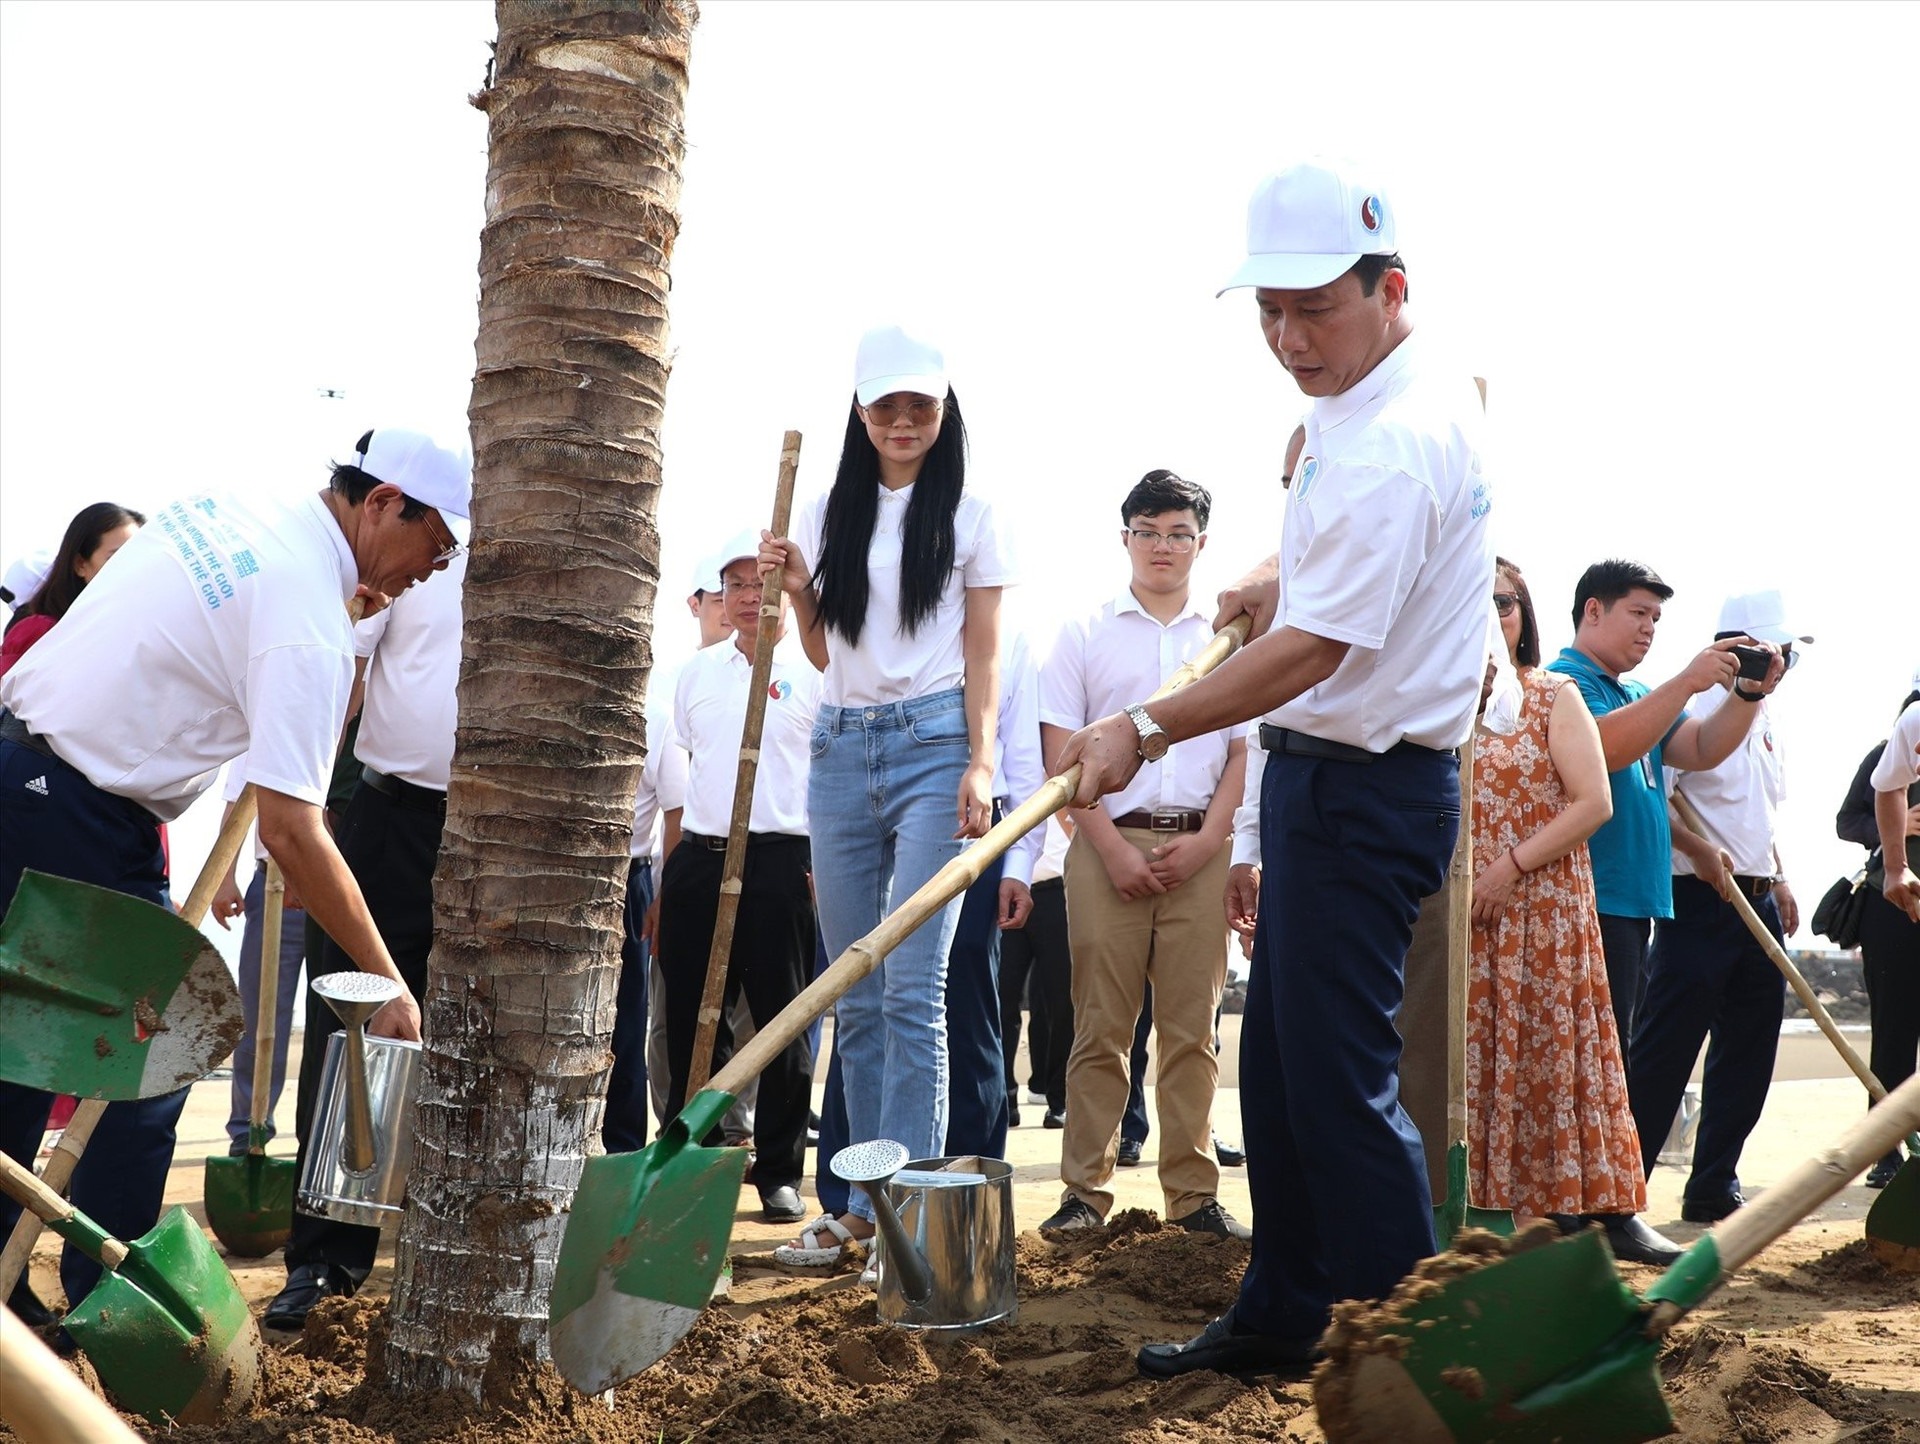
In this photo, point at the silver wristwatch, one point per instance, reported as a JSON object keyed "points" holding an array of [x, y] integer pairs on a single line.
{"points": [[1154, 741]]}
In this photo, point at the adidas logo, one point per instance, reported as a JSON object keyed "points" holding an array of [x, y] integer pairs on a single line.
{"points": [[39, 785]]}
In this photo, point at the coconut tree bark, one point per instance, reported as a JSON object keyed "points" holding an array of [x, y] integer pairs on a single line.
{"points": [[585, 108]]}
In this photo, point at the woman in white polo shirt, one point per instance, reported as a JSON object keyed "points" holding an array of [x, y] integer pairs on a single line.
{"points": [[895, 577]]}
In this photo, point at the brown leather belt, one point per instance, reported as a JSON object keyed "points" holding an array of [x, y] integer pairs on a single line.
{"points": [[1166, 819]]}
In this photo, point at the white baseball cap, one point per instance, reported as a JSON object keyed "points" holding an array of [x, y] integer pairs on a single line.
{"points": [[1761, 615], [890, 360], [742, 545], [706, 576], [436, 473], [1308, 224], [27, 575]]}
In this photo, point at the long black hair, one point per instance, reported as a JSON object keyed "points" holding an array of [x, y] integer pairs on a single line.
{"points": [[1526, 652], [63, 584], [926, 556]]}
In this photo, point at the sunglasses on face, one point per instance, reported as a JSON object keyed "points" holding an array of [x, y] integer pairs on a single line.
{"points": [[1505, 602], [448, 549], [918, 413]]}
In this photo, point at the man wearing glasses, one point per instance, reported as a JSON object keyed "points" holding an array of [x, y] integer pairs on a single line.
{"points": [[1145, 874], [220, 629]]}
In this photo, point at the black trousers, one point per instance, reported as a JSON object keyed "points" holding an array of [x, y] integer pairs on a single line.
{"points": [[1890, 953], [1625, 942], [771, 961], [391, 846], [1707, 976], [1036, 960]]}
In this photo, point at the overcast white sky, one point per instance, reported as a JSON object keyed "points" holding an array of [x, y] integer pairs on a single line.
{"points": [[1674, 239]]}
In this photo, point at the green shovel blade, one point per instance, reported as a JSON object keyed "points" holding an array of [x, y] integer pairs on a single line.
{"points": [[168, 1331], [645, 1240], [1454, 1213], [1545, 1345], [1893, 1223], [106, 996], [250, 1202]]}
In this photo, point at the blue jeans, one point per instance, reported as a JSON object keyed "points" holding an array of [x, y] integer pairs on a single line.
{"points": [[882, 789], [293, 952], [978, 1097]]}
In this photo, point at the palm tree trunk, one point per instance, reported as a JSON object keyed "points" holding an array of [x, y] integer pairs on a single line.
{"points": [[585, 142]]}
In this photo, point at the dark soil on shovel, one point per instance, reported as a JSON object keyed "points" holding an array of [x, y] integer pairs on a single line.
{"points": [[804, 1358]]}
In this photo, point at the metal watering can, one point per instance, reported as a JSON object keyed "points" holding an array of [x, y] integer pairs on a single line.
{"points": [[946, 1234], [362, 1136]]}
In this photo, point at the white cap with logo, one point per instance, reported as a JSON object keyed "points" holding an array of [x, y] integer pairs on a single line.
{"points": [[1309, 223], [1761, 615], [27, 575], [743, 545], [890, 360], [433, 472]]}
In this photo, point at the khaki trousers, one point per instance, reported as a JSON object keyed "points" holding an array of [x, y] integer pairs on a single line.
{"points": [[1178, 942]]}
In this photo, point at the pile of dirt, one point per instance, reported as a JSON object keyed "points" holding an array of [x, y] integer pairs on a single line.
{"points": [[1723, 1388]]}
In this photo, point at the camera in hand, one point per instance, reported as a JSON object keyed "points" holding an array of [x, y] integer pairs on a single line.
{"points": [[1755, 662]]}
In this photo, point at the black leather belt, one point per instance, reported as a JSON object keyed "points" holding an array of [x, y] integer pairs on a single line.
{"points": [[1754, 886], [12, 729], [407, 794], [1303, 744], [1165, 819], [754, 839]]}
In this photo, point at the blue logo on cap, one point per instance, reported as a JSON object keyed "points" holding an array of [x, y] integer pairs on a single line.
{"points": [[1370, 213]]}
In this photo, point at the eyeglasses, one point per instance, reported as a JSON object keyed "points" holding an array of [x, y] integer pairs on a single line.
{"points": [[1178, 541], [923, 412], [449, 549], [734, 588], [1505, 602]]}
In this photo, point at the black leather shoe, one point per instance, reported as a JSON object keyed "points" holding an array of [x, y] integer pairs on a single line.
{"points": [[28, 1308], [1881, 1174], [1711, 1210], [1219, 1348], [1129, 1154], [1632, 1241], [1074, 1212], [1211, 1218], [1054, 1118], [1227, 1154], [1013, 1116], [782, 1205], [306, 1286]]}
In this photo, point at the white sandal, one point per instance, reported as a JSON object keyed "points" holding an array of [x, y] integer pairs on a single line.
{"points": [[810, 1252]]}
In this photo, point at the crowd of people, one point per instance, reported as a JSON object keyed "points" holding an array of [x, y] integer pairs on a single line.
{"points": [[1304, 797]]}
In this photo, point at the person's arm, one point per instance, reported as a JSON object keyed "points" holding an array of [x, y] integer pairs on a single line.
{"points": [[292, 830], [1712, 865], [228, 902], [669, 840], [1179, 859], [1902, 888], [1263, 675], [1855, 821], [1573, 745], [1700, 744], [1243, 876], [980, 645], [1783, 897], [1126, 866], [1257, 594], [783, 555]]}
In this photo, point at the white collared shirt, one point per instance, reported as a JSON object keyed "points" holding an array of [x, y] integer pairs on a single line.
{"points": [[709, 716], [1899, 764], [888, 665], [220, 628], [409, 714], [1018, 770], [1740, 799], [1386, 548], [1120, 655]]}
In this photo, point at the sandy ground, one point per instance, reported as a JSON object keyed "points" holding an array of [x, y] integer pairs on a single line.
{"points": [[1814, 1342]]}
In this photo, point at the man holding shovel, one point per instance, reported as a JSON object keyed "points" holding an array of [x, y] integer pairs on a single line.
{"points": [[1368, 676], [220, 629]]}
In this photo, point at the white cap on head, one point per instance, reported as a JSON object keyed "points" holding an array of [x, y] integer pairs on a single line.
{"points": [[1309, 223], [741, 546], [1761, 615], [706, 575], [27, 575], [1916, 681], [889, 360], [437, 473]]}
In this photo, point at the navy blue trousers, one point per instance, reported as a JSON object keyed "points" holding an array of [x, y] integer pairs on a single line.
{"points": [[1708, 977], [1623, 942], [1341, 1208], [627, 1123], [1134, 1127], [72, 829], [976, 1064]]}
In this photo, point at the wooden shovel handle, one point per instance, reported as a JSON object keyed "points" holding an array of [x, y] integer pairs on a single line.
{"points": [[42, 1401], [1764, 936], [267, 997], [48, 1207], [1460, 951], [955, 878], [731, 871]]}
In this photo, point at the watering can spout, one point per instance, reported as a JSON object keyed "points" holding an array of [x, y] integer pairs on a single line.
{"points": [[354, 998], [872, 1166]]}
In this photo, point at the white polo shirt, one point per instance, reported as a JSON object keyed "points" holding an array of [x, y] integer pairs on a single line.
{"points": [[409, 714], [888, 665], [1018, 770], [1119, 655], [1740, 799], [1898, 767], [710, 713], [1386, 547], [220, 628], [664, 758]]}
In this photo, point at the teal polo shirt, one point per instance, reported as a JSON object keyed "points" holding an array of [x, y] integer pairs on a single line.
{"points": [[1633, 852]]}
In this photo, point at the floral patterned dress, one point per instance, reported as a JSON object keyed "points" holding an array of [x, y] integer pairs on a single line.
{"points": [[1548, 1126]]}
